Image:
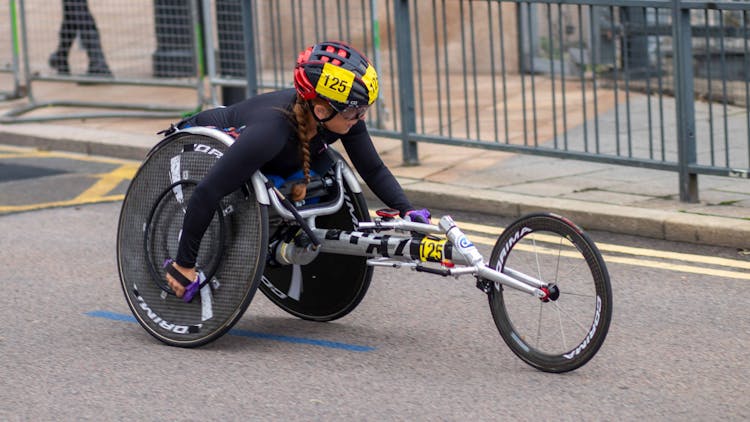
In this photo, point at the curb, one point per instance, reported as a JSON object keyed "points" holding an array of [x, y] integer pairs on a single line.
{"points": [[657, 224], [78, 140]]}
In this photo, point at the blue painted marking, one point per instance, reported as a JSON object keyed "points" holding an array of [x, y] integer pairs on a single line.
{"points": [[302, 340], [253, 334], [111, 315]]}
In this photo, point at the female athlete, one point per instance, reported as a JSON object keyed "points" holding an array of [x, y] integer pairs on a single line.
{"points": [[282, 132]]}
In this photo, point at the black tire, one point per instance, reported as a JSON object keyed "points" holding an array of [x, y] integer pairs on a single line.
{"points": [[232, 253], [332, 285], [558, 335]]}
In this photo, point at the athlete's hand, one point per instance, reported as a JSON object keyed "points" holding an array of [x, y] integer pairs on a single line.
{"points": [[418, 216]]}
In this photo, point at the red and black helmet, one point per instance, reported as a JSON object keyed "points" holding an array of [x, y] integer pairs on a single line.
{"points": [[338, 73]]}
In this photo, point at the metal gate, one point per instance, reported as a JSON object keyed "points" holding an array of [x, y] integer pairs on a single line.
{"points": [[10, 82], [79, 49], [659, 84]]}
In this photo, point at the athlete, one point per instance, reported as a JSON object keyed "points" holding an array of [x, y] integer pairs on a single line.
{"points": [[282, 132]]}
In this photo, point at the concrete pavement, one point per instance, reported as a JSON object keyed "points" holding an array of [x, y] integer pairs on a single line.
{"points": [[596, 196]]}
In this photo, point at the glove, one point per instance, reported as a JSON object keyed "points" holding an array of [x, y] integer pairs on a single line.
{"points": [[418, 216]]}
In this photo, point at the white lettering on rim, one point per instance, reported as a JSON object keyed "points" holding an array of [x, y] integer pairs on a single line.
{"points": [[591, 333], [156, 319], [273, 288], [208, 150], [507, 247]]}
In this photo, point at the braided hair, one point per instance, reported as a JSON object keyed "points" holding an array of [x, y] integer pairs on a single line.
{"points": [[299, 117]]}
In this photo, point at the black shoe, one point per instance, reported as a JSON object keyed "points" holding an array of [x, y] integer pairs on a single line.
{"points": [[59, 62], [99, 69]]}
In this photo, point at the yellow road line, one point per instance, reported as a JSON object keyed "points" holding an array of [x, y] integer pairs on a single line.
{"points": [[16, 150], [66, 203], [98, 192], [107, 182], [677, 267], [628, 250], [92, 158], [18, 155], [11, 152], [625, 260], [641, 252]]}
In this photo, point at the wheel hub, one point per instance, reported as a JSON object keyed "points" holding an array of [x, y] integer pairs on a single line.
{"points": [[551, 292]]}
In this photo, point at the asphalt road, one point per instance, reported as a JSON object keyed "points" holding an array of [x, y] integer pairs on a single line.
{"points": [[418, 347]]}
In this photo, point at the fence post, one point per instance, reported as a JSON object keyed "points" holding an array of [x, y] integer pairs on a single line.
{"points": [[249, 36], [376, 57], [174, 56], [15, 67], [406, 83], [684, 96], [231, 36]]}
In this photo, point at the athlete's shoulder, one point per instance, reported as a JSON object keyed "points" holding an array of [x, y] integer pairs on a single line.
{"points": [[271, 108], [283, 98]]}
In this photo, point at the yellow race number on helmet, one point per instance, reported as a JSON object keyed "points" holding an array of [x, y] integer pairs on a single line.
{"points": [[335, 83], [338, 73], [370, 79]]}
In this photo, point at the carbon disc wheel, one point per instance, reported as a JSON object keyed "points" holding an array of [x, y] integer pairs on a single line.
{"points": [[232, 252], [332, 285]]}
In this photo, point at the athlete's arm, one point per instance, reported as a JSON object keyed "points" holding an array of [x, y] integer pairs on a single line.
{"points": [[255, 146], [367, 161]]}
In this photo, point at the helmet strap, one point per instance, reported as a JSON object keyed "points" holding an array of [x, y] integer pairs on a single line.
{"points": [[320, 121]]}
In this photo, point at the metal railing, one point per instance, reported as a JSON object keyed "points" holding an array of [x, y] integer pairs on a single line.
{"points": [[606, 81], [659, 84], [10, 81], [82, 48], [279, 31]]}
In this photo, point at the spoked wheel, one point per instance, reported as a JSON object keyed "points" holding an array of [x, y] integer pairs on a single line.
{"points": [[232, 253], [565, 331], [332, 285]]}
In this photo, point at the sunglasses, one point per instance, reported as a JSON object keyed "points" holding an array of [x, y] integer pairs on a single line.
{"points": [[353, 112]]}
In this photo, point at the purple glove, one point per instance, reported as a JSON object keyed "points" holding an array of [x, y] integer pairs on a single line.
{"points": [[418, 216]]}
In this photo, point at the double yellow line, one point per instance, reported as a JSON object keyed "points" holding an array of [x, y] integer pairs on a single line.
{"points": [[642, 257]]}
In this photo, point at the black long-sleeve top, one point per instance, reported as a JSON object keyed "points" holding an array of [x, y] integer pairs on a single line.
{"points": [[269, 142]]}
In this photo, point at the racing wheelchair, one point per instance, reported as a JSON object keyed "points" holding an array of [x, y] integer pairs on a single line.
{"points": [[546, 282]]}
